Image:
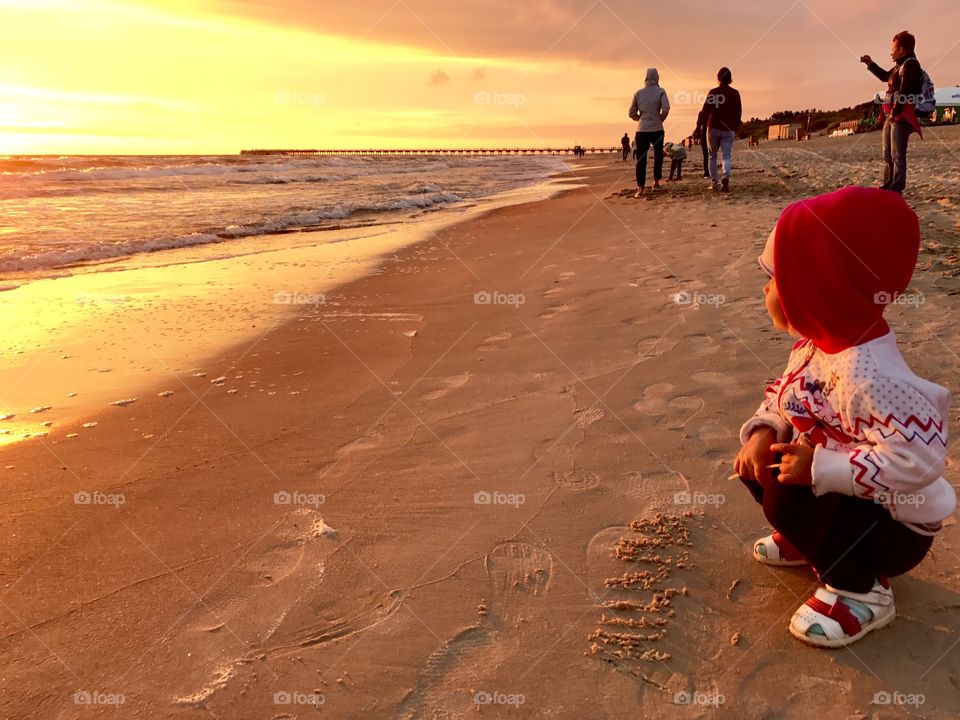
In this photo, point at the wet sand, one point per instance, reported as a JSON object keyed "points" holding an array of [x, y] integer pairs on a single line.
{"points": [[488, 479]]}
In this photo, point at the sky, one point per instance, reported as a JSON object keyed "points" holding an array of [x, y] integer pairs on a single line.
{"points": [[218, 76]]}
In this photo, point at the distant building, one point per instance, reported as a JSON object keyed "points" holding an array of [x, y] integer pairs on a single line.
{"points": [[948, 105], [784, 132]]}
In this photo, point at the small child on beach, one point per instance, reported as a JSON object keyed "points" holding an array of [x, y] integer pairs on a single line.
{"points": [[846, 452], [677, 154]]}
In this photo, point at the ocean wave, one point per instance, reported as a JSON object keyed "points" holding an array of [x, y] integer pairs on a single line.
{"points": [[275, 180], [297, 220], [13, 262]]}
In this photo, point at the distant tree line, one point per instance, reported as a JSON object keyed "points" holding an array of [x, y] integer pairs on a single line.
{"points": [[819, 120]]}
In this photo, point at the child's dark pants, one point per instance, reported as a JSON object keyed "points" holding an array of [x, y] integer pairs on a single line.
{"points": [[676, 166], [849, 541]]}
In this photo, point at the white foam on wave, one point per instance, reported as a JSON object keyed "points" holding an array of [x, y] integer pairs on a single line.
{"points": [[15, 262], [301, 220], [205, 209]]}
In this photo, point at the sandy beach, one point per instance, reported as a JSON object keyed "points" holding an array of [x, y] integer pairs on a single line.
{"points": [[487, 478]]}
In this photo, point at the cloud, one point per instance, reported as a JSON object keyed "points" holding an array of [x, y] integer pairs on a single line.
{"points": [[439, 78], [680, 38]]}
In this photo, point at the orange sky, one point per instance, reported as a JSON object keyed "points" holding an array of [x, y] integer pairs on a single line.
{"points": [[215, 76]]}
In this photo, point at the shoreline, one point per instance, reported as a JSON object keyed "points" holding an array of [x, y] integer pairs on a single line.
{"points": [[117, 301], [425, 508]]}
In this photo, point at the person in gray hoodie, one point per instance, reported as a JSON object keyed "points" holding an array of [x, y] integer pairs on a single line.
{"points": [[649, 108]]}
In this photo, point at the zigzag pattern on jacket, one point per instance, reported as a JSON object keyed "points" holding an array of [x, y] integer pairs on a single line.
{"points": [[925, 432], [869, 483]]}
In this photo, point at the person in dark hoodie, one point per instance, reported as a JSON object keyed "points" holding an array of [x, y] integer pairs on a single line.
{"points": [[846, 453], [904, 88], [723, 110], [700, 134]]}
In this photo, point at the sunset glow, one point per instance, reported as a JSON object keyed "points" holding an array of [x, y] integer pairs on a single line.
{"points": [[188, 76]]}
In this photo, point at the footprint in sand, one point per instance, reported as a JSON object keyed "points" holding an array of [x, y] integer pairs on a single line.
{"points": [[577, 479], [653, 399], [724, 382], [446, 385], [253, 598], [632, 484], [653, 347], [553, 311], [277, 563], [370, 439], [589, 416], [656, 401], [638, 483], [633, 574], [698, 345], [518, 569], [519, 574], [715, 433], [491, 343], [681, 410], [439, 692], [599, 562]]}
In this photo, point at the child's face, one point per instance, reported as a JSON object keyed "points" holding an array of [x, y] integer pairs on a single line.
{"points": [[772, 300]]}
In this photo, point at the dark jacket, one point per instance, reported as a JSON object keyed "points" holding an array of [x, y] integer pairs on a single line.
{"points": [[904, 81], [701, 122], [723, 108]]}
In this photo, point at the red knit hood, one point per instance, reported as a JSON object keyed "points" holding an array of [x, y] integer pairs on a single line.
{"points": [[840, 259]]}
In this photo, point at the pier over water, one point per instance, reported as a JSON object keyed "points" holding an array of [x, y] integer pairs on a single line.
{"points": [[460, 151]]}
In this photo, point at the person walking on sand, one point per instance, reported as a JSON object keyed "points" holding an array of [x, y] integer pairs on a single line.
{"points": [[723, 110], [847, 450], [904, 92], [649, 108], [700, 135], [625, 145]]}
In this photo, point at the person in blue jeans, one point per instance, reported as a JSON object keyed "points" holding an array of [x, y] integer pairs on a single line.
{"points": [[649, 108], [723, 111], [904, 89]]}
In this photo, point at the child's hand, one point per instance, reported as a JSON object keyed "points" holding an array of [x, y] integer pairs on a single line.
{"points": [[796, 463], [753, 458]]}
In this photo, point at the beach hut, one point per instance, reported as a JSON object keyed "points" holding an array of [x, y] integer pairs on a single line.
{"points": [[783, 132], [948, 105]]}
